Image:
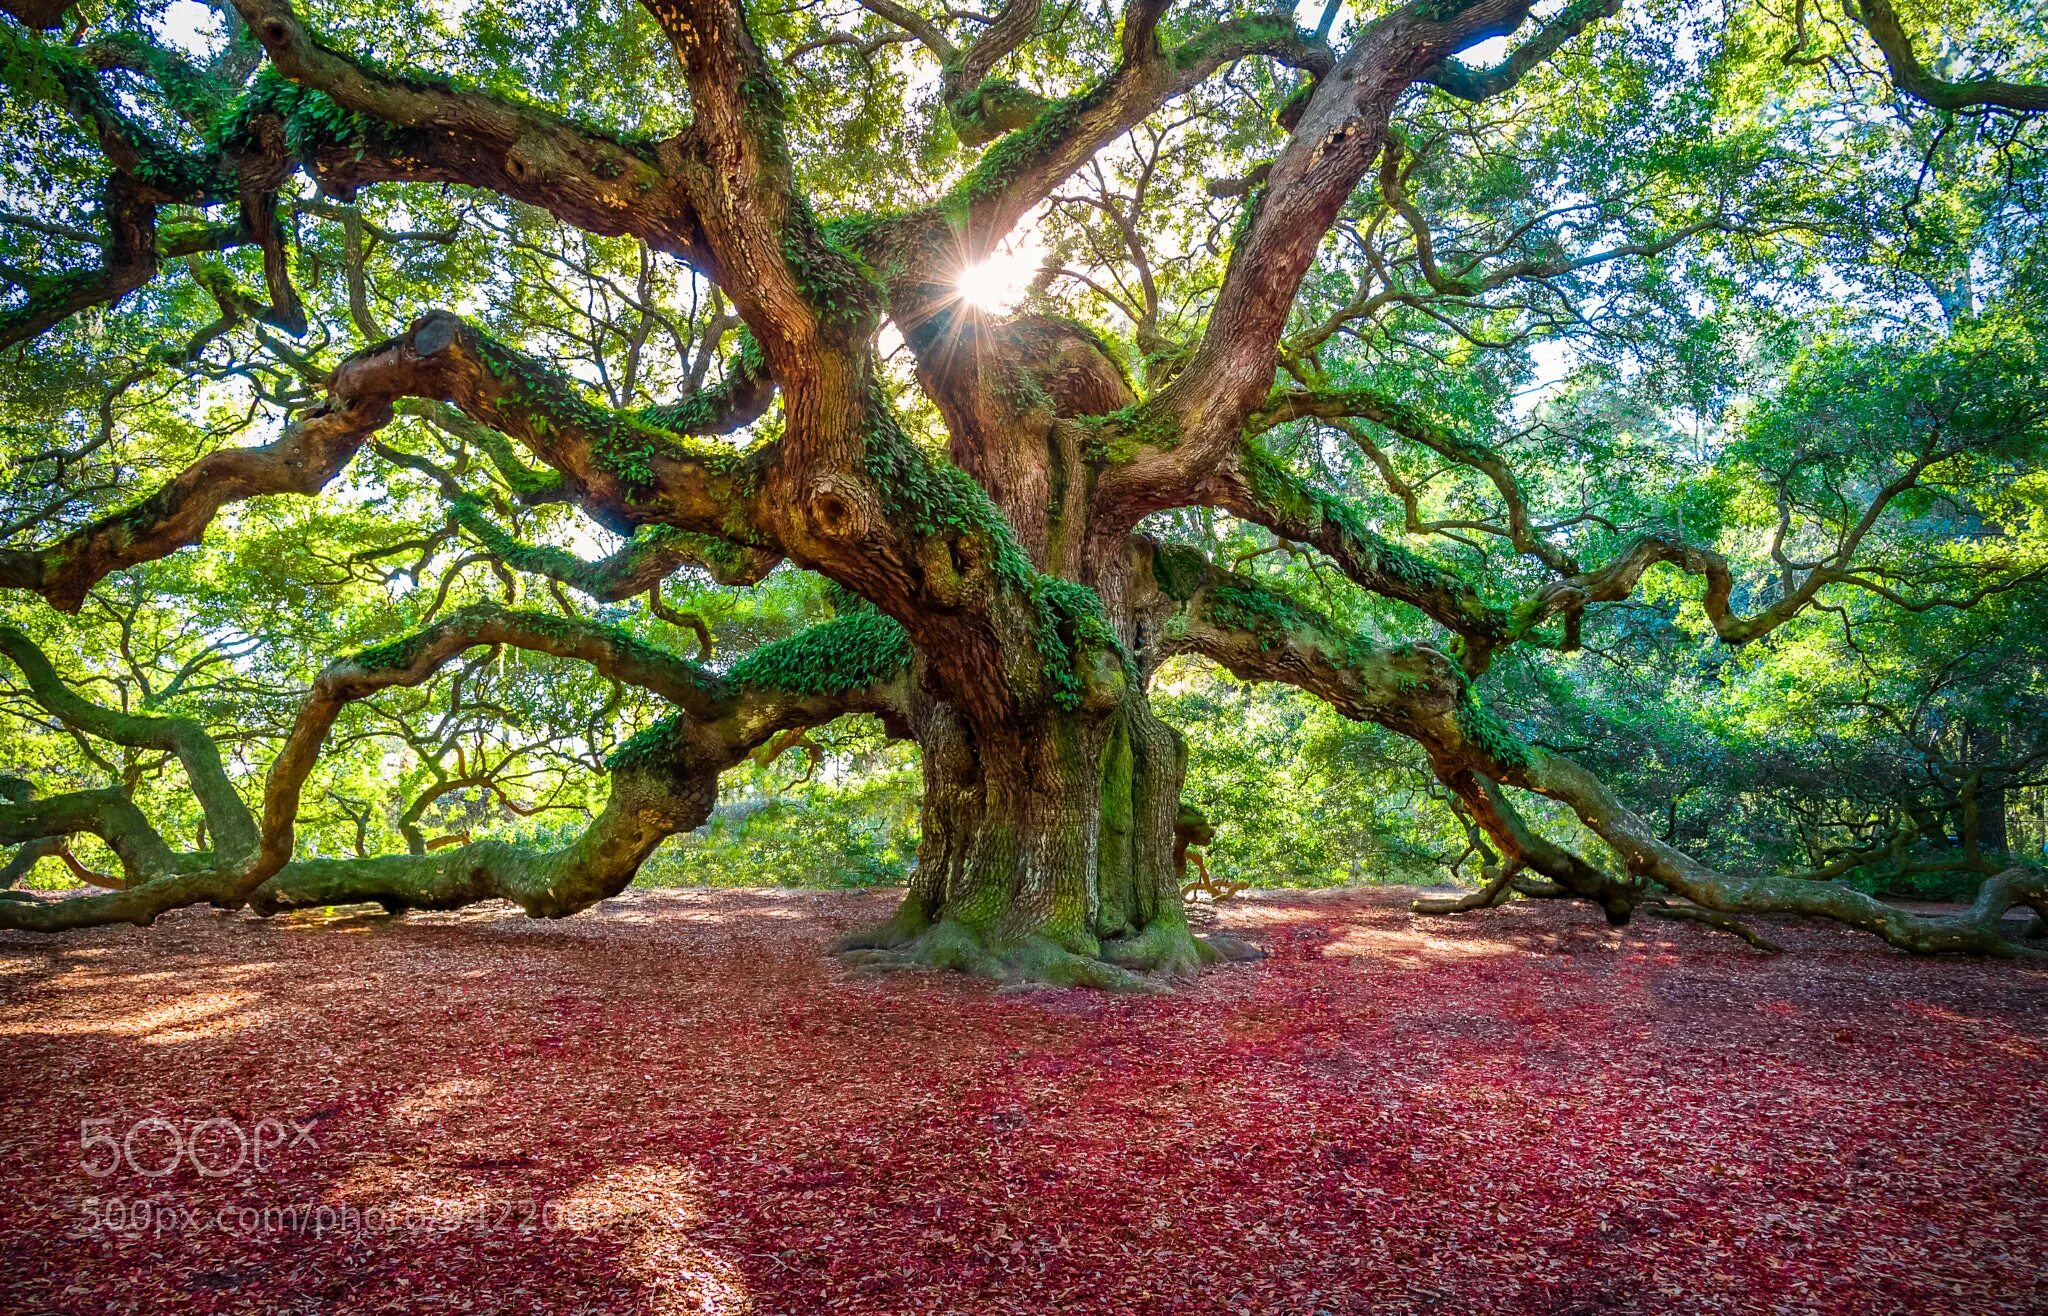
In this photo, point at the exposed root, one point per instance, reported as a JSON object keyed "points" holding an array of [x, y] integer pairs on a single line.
{"points": [[1035, 962], [1229, 949], [1041, 961], [1165, 947], [899, 929]]}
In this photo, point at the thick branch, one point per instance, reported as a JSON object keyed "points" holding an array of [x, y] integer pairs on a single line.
{"points": [[597, 181], [1262, 491], [1881, 21], [227, 818], [1259, 634], [610, 462], [1476, 84]]}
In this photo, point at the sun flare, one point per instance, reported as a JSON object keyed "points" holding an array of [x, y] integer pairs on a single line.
{"points": [[999, 283]]}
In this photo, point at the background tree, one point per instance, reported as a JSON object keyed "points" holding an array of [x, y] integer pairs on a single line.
{"points": [[1427, 360]]}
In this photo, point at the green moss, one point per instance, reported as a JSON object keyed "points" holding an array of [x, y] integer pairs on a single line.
{"points": [[1069, 619], [1119, 767], [1246, 214], [1017, 152], [1269, 616], [704, 409], [838, 284], [843, 654], [663, 741], [393, 655], [995, 105], [1122, 434], [625, 444], [1304, 509], [1253, 32], [928, 496]]}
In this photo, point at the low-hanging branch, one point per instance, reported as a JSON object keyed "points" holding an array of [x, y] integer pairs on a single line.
{"points": [[1259, 634], [664, 780]]}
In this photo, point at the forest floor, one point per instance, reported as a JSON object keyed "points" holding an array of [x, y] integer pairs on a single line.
{"points": [[679, 1103]]}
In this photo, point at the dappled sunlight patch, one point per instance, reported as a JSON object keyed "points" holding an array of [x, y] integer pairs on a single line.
{"points": [[190, 1018], [431, 1187], [655, 1208], [436, 1101]]}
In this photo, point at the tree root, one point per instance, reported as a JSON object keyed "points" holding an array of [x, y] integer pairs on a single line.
{"points": [[1165, 947], [899, 929], [1035, 962]]}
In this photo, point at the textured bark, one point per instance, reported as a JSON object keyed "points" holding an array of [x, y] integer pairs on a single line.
{"points": [[1047, 858]]}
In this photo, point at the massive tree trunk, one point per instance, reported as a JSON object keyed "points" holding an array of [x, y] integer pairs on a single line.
{"points": [[1047, 853]]}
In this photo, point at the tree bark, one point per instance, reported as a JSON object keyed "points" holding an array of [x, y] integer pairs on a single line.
{"points": [[1047, 854]]}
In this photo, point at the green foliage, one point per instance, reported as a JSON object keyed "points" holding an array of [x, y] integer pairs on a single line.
{"points": [[860, 832], [1298, 796], [312, 120]]}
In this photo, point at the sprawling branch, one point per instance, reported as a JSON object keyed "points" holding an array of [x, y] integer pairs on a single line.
{"points": [[431, 130], [649, 558], [1273, 498], [1259, 634], [1881, 21], [1023, 167], [1396, 416], [1260, 490], [1462, 80], [128, 261], [397, 127], [664, 780], [609, 461], [808, 305], [107, 813], [1978, 930], [1342, 129]]}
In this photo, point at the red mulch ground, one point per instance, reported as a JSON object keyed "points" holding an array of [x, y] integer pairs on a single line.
{"points": [[678, 1103]]}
